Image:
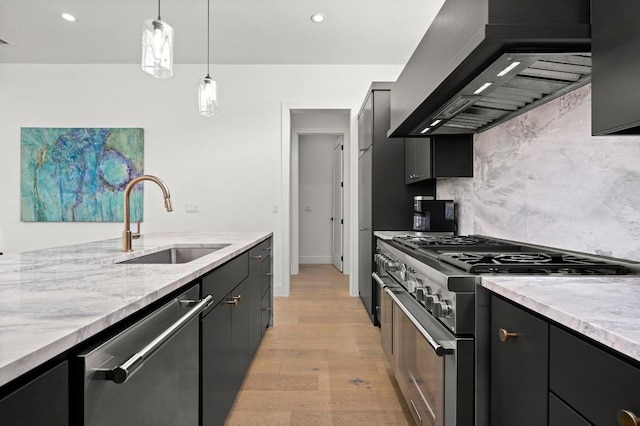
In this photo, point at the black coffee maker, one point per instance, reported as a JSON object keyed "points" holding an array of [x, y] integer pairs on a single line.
{"points": [[431, 215]]}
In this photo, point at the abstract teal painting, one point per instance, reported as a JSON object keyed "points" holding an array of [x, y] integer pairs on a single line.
{"points": [[79, 174]]}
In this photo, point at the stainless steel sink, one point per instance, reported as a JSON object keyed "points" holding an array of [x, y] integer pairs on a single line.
{"points": [[176, 255]]}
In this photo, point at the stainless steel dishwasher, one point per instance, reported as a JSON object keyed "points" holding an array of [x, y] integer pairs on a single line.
{"points": [[149, 373]]}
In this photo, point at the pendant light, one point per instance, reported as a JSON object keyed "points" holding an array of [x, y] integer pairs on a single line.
{"points": [[157, 47], [208, 87]]}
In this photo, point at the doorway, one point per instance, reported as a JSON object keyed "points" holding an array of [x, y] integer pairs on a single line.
{"points": [[299, 119], [320, 195]]}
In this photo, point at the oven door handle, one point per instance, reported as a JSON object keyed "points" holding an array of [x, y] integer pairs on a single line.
{"points": [[435, 345], [123, 372], [378, 279]]}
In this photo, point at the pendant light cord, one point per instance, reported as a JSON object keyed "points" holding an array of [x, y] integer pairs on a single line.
{"points": [[159, 11], [208, 36]]}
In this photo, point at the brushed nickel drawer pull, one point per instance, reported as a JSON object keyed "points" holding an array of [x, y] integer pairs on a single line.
{"points": [[627, 418], [257, 257], [505, 335], [268, 274]]}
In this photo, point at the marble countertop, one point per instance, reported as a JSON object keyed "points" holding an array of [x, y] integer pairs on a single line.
{"points": [[604, 309], [53, 299]]}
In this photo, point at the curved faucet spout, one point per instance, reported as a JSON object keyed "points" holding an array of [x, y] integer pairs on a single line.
{"points": [[127, 235]]}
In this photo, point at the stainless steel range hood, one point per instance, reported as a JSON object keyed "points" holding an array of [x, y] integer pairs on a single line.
{"points": [[483, 62]]}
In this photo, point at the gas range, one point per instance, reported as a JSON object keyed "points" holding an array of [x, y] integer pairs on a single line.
{"points": [[442, 272]]}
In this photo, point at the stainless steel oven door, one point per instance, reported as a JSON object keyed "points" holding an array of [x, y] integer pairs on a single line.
{"points": [[386, 286], [433, 368]]}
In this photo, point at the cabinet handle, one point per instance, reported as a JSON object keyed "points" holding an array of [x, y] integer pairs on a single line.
{"points": [[505, 335], [267, 309], [267, 249], [627, 418], [257, 257], [268, 274], [234, 300]]}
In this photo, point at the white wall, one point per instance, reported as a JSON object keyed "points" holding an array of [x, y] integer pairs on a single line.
{"points": [[542, 178], [320, 119], [230, 164], [315, 202]]}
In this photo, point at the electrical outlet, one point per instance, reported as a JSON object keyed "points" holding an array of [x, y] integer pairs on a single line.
{"points": [[192, 207], [275, 208]]}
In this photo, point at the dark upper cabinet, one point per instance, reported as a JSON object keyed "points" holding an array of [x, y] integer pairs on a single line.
{"points": [[615, 36], [385, 203], [438, 156]]}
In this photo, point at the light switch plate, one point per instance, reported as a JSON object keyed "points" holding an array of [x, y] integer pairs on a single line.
{"points": [[192, 207]]}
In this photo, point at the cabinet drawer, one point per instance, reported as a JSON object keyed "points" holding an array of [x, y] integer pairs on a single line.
{"points": [[266, 310], [595, 383], [262, 251], [560, 414], [265, 277], [225, 278], [519, 367]]}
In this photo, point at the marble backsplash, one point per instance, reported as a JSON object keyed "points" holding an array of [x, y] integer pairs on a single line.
{"points": [[542, 178]]}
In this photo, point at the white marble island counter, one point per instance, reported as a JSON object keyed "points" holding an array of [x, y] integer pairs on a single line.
{"points": [[604, 309], [53, 299]]}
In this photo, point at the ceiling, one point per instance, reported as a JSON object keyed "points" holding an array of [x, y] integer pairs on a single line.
{"points": [[242, 31]]}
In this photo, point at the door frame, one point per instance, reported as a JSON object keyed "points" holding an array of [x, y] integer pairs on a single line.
{"points": [[337, 193], [350, 177], [295, 187]]}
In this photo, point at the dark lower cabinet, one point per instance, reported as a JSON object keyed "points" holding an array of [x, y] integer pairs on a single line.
{"points": [[231, 331], [594, 382], [560, 414], [218, 387], [42, 401], [260, 274], [519, 366], [545, 375]]}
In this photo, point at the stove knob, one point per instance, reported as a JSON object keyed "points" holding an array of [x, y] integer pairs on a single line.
{"points": [[393, 265], [421, 294], [431, 300], [412, 285], [403, 271], [442, 309]]}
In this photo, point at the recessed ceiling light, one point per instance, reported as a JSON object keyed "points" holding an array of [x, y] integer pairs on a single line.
{"points": [[317, 17], [68, 17]]}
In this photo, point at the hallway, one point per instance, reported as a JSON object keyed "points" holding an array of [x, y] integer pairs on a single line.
{"points": [[321, 363]]}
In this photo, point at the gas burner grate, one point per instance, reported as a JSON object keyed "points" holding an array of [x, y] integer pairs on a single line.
{"points": [[531, 263], [446, 241]]}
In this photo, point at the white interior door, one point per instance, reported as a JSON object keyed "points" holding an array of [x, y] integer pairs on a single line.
{"points": [[337, 220]]}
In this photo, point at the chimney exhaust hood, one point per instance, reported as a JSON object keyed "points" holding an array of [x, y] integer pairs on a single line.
{"points": [[483, 62]]}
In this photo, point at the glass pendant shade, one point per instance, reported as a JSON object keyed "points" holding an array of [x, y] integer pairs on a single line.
{"points": [[207, 97], [157, 48]]}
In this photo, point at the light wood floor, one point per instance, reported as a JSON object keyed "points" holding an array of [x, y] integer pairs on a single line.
{"points": [[321, 363]]}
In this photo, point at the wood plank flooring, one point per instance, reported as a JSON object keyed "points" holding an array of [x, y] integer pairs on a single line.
{"points": [[321, 363]]}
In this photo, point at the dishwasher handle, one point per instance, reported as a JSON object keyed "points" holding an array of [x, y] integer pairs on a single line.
{"points": [[123, 372]]}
